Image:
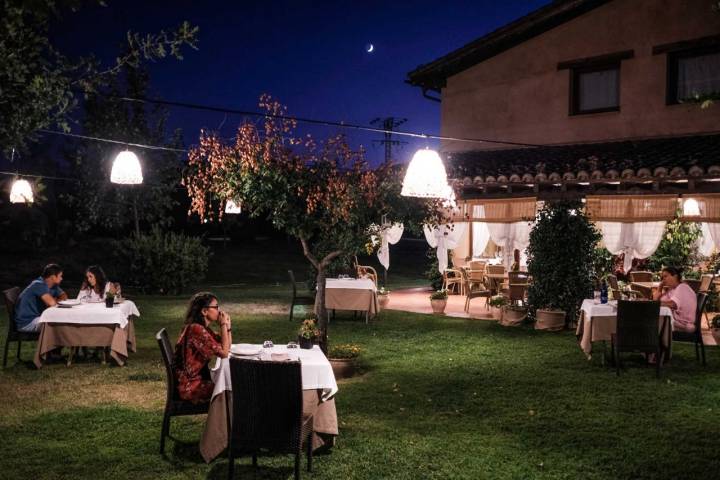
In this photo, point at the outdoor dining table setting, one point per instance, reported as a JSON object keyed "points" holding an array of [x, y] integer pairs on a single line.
{"points": [[79, 324], [357, 294], [598, 322], [318, 385]]}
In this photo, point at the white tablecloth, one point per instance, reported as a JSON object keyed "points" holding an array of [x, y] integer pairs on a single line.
{"points": [[355, 283], [91, 314], [315, 368], [592, 309]]}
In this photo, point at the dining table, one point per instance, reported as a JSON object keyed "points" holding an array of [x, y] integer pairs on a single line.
{"points": [[357, 294], [72, 324], [318, 385], [598, 322]]}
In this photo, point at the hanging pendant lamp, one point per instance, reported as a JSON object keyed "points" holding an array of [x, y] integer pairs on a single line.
{"points": [[232, 207], [126, 169], [21, 192], [425, 176], [691, 208]]}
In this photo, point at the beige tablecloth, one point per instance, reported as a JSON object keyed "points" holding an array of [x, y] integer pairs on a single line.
{"points": [[358, 295], [53, 335], [215, 436], [601, 328]]}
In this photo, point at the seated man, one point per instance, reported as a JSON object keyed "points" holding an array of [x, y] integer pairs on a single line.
{"points": [[43, 292]]}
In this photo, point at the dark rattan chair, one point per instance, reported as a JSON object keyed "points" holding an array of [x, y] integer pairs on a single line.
{"points": [[298, 299], [268, 411], [696, 336], [174, 406], [637, 331], [10, 296], [694, 284], [640, 276]]}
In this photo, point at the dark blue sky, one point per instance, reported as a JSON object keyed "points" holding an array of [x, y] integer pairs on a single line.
{"points": [[309, 55]]}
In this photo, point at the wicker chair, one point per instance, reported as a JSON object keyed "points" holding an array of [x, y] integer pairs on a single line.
{"points": [[10, 296], [298, 299], [475, 288], [696, 336], [694, 284], [475, 277], [452, 278], [495, 269], [477, 265], [705, 282], [617, 293], [517, 287], [641, 276], [268, 411], [174, 406], [637, 331]]}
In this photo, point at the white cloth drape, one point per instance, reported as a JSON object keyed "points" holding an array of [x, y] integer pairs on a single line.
{"points": [[635, 240], [388, 236], [481, 234], [710, 239], [510, 236], [444, 238]]}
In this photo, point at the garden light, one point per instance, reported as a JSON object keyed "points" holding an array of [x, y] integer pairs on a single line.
{"points": [[126, 169], [425, 176]]}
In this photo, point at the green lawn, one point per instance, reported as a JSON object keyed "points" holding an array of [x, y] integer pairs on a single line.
{"points": [[438, 398]]}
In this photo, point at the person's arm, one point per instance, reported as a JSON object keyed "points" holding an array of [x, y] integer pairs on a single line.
{"points": [[62, 296], [49, 300], [225, 334]]}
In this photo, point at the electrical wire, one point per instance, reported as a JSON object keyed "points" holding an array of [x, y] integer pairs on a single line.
{"points": [[108, 140]]}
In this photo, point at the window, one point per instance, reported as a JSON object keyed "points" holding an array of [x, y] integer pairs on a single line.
{"points": [[595, 89], [693, 74]]}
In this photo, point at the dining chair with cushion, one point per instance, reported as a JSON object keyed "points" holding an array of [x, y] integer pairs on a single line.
{"points": [[267, 411], [517, 287], [453, 278], [641, 276], [174, 405], [298, 299], [637, 331], [477, 289], [695, 336], [477, 265], [10, 296], [475, 278]]}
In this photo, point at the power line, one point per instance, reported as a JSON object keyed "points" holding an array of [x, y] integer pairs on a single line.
{"points": [[50, 177], [108, 140]]}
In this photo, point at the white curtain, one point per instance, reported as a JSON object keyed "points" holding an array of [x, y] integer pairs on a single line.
{"points": [[444, 238], [388, 236], [510, 236], [635, 240], [598, 89], [698, 75], [710, 239], [481, 234]]}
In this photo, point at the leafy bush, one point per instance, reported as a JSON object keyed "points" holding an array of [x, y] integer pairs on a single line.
{"points": [[163, 262], [678, 247], [345, 350], [498, 301], [433, 273], [603, 263], [439, 295]]}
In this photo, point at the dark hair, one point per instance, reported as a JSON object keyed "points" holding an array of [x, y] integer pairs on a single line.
{"points": [[51, 269], [197, 303], [674, 271], [100, 279]]}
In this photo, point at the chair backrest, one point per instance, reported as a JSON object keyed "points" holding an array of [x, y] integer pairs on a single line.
{"points": [[701, 302], [495, 269], [705, 282], [637, 325], [292, 282], [476, 275], [517, 292], [168, 356], [517, 277], [477, 265], [641, 276], [694, 284], [613, 282], [267, 405], [10, 296]]}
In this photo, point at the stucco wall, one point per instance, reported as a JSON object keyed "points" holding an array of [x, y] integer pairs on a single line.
{"points": [[519, 95]]}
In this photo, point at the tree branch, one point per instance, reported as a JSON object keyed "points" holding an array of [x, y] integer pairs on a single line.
{"points": [[330, 257], [308, 254]]}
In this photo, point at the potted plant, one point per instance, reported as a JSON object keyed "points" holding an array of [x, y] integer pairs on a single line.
{"points": [[513, 315], [561, 262], [714, 325], [109, 299], [438, 300], [343, 359], [496, 306], [308, 333], [383, 297]]}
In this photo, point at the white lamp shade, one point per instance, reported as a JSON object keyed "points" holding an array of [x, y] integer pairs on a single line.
{"points": [[126, 169], [232, 207], [450, 201], [691, 208], [425, 176], [21, 192]]}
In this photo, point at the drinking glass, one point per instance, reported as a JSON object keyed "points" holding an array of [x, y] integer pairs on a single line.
{"points": [[268, 344]]}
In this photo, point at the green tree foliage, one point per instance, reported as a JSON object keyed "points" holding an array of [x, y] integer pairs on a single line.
{"points": [[603, 263], [95, 202], [678, 247], [560, 257], [39, 86]]}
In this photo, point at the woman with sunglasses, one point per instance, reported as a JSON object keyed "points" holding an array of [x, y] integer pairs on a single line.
{"points": [[197, 344]]}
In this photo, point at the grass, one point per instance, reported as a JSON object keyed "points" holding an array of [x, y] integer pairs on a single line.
{"points": [[438, 398]]}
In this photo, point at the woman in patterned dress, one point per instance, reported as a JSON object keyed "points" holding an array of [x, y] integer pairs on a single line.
{"points": [[197, 344]]}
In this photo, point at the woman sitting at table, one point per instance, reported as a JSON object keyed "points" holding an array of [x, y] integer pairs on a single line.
{"points": [[96, 285], [679, 297], [197, 344]]}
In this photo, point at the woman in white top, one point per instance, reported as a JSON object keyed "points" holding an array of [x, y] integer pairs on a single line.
{"points": [[95, 285]]}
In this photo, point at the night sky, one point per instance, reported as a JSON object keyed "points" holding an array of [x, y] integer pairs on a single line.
{"points": [[309, 55]]}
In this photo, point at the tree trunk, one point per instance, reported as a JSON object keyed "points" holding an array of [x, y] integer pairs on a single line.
{"points": [[320, 310], [135, 214]]}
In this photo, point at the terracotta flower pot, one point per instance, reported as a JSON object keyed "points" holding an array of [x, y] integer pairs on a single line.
{"points": [[552, 320], [383, 301], [438, 305], [342, 367], [497, 313], [512, 317], [716, 334]]}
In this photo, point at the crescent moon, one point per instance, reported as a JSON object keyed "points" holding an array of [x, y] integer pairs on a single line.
{"points": [[370, 48]]}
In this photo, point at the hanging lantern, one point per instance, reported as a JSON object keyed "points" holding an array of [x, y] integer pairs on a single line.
{"points": [[232, 207], [21, 192], [425, 177], [449, 201], [126, 169], [691, 208]]}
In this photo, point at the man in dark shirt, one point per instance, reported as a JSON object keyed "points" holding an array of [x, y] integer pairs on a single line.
{"points": [[43, 292]]}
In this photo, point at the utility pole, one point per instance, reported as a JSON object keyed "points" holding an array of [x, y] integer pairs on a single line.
{"points": [[388, 124]]}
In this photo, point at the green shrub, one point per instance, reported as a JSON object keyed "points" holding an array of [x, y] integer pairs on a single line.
{"points": [[439, 295], [433, 273], [498, 301], [163, 262], [678, 247]]}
